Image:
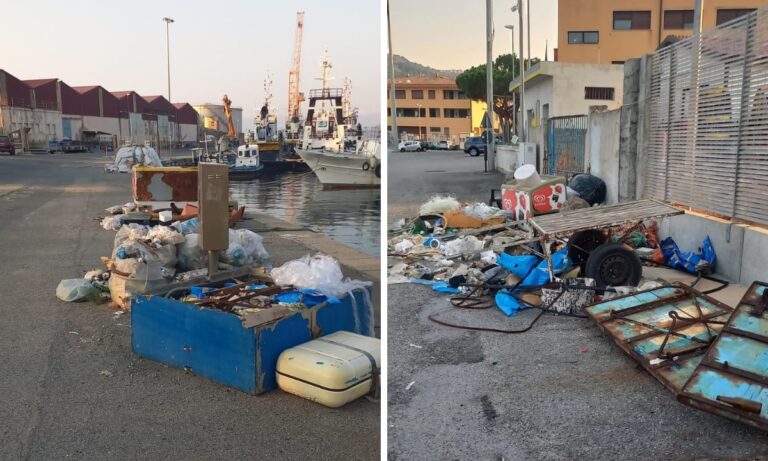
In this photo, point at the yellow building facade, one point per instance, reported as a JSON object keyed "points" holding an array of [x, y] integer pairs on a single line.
{"points": [[611, 31], [430, 108]]}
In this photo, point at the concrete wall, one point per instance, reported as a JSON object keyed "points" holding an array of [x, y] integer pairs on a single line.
{"points": [[571, 79], [187, 132], [602, 150], [506, 159], [45, 125], [537, 93], [105, 124], [76, 127]]}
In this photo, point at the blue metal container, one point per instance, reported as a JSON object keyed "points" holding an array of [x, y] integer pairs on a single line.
{"points": [[214, 344]]}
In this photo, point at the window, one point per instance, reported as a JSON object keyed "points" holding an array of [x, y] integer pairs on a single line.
{"points": [[434, 129], [431, 94], [603, 93], [399, 94], [678, 19], [417, 94], [455, 113], [454, 94], [725, 15], [447, 131], [631, 20], [544, 114], [389, 112], [587, 38], [617, 62], [434, 113], [410, 112]]}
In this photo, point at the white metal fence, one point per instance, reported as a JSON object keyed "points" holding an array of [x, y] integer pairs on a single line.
{"points": [[708, 121]]}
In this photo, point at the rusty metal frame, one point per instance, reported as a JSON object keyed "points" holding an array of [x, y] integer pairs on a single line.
{"points": [[627, 345], [742, 410]]}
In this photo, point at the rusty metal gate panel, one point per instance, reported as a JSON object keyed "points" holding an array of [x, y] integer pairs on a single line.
{"points": [[566, 144], [731, 380], [666, 330], [707, 112]]}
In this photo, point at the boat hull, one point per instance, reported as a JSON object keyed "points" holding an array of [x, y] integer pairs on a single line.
{"points": [[240, 174], [342, 170]]}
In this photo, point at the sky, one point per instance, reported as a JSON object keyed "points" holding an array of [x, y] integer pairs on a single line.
{"points": [[450, 34], [217, 47]]}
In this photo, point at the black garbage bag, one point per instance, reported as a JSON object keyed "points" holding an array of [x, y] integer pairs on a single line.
{"points": [[590, 188]]}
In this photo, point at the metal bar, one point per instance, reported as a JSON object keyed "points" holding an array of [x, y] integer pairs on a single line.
{"points": [[745, 79], [707, 362]]}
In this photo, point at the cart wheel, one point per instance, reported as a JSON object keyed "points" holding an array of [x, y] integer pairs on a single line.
{"points": [[583, 243], [614, 264]]}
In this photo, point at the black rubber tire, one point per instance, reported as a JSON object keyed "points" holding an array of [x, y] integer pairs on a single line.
{"points": [[582, 244], [366, 166], [377, 171], [402, 149], [474, 152], [614, 264]]}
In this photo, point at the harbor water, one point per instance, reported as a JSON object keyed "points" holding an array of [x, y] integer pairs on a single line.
{"points": [[351, 217]]}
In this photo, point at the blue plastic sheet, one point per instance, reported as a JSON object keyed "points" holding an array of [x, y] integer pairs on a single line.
{"points": [[507, 303], [703, 260], [540, 275], [518, 265], [437, 285]]}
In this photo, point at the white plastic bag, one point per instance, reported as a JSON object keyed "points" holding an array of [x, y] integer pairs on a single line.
{"points": [[462, 245], [165, 234], [253, 244], [112, 223], [439, 205], [191, 256], [70, 290], [403, 246], [319, 272]]}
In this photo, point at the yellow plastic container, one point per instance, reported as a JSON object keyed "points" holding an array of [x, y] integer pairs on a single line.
{"points": [[333, 370]]}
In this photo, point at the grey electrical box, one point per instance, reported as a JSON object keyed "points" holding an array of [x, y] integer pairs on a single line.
{"points": [[213, 203]]}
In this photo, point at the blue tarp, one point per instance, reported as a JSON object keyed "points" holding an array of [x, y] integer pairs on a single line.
{"points": [[534, 272]]}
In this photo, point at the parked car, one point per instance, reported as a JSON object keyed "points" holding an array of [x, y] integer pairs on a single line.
{"points": [[474, 146], [443, 145], [429, 145], [6, 145], [409, 146]]}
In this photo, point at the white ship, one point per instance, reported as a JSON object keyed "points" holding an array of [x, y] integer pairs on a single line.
{"points": [[332, 144]]}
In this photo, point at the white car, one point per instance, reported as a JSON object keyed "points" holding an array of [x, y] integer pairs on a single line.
{"points": [[409, 146]]}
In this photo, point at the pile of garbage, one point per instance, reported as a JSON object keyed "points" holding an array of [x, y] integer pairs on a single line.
{"points": [[474, 251], [146, 256]]}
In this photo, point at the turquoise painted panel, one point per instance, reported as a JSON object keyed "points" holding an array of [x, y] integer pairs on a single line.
{"points": [[743, 320], [742, 353], [712, 383]]}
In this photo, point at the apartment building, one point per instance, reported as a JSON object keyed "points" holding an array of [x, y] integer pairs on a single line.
{"points": [[610, 31], [430, 108]]}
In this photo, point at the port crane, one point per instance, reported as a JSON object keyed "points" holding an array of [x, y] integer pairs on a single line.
{"points": [[295, 96]]}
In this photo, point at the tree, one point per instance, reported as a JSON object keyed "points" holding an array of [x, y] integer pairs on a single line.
{"points": [[506, 68]]}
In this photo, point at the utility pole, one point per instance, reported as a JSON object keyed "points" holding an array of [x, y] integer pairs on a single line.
{"points": [[511, 123], [523, 115], [490, 151], [528, 27], [393, 108], [168, 22]]}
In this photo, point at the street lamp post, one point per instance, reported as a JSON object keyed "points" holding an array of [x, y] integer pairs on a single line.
{"points": [[168, 22], [511, 28], [418, 109]]}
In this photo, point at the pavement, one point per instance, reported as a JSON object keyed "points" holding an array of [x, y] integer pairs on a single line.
{"points": [[70, 386], [413, 177], [562, 391]]}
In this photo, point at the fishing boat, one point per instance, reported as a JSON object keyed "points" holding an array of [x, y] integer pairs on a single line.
{"points": [[332, 143], [347, 169]]}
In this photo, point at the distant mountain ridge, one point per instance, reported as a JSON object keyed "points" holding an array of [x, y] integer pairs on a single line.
{"points": [[407, 68]]}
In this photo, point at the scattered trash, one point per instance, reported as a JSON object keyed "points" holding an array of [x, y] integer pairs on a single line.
{"points": [[439, 205], [415, 345], [403, 246], [106, 373], [410, 385], [462, 245]]}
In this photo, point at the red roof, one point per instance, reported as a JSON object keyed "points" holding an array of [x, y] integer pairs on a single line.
{"points": [[85, 89], [39, 82]]}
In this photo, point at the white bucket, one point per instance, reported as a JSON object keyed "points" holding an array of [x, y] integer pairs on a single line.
{"points": [[527, 176]]}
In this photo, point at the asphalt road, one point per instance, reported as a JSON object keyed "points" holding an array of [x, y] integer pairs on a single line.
{"points": [[70, 387], [413, 177], [562, 391]]}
